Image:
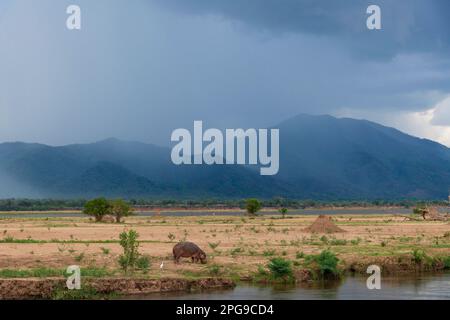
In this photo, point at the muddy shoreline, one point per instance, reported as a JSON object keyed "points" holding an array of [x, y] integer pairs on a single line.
{"points": [[21, 289]]}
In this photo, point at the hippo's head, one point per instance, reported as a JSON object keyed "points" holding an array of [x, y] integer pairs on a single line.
{"points": [[202, 257]]}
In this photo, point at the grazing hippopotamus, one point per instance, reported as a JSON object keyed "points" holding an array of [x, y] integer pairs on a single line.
{"points": [[188, 250]]}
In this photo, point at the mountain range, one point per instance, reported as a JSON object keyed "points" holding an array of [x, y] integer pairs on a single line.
{"points": [[321, 157]]}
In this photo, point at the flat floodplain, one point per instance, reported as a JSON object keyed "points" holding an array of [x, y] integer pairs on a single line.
{"points": [[237, 245]]}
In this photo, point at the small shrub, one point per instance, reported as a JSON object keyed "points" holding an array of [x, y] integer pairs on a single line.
{"points": [[214, 245], [338, 242], [8, 239], [419, 256], [300, 255], [214, 270], [262, 271], [130, 245], [446, 262], [79, 257], [283, 212], [280, 269], [326, 263], [324, 239], [143, 263], [171, 236], [236, 251], [268, 253]]}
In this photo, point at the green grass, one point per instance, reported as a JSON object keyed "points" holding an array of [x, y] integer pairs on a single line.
{"points": [[86, 293], [33, 241], [269, 253], [50, 273]]}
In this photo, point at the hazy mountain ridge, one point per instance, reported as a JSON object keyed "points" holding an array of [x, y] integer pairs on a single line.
{"points": [[321, 157]]}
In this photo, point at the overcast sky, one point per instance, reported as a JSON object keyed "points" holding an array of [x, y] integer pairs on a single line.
{"points": [[139, 69]]}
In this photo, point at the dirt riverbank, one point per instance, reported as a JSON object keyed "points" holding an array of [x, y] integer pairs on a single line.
{"points": [[47, 288]]}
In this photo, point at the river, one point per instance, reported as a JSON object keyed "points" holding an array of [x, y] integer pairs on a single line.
{"points": [[361, 211], [423, 287]]}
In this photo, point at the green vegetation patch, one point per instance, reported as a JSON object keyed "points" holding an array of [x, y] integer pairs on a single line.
{"points": [[52, 273]]}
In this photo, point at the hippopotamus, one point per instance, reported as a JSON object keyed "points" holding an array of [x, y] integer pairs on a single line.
{"points": [[188, 250]]}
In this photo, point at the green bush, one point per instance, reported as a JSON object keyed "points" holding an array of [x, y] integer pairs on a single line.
{"points": [[418, 256], [446, 261], [326, 263], [128, 241], [280, 269], [143, 263]]}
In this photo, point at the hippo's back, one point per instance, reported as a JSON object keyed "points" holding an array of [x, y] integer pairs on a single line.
{"points": [[186, 249]]}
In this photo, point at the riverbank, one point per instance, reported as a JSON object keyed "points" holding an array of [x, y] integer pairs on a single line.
{"points": [[238, 247], [51, 288]]}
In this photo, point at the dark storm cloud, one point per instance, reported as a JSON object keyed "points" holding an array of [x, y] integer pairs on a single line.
{"points": [[139, 69], [408, 25]]}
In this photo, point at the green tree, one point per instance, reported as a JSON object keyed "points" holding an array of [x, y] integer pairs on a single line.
{"points": [[97, 208], [120, 208], [252, 206], [283, 212]]}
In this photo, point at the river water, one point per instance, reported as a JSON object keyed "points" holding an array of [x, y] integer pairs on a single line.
{"points": [[362, 211], [423, 287]]}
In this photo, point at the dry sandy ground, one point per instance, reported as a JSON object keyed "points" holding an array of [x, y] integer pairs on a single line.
{"points": [[241, 243]]}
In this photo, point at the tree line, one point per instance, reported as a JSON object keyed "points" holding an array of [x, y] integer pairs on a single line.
{"points": [[78, 204]]}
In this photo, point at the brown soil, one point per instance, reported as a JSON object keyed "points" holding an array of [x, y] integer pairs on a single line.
{"points": [[323, 224]]}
